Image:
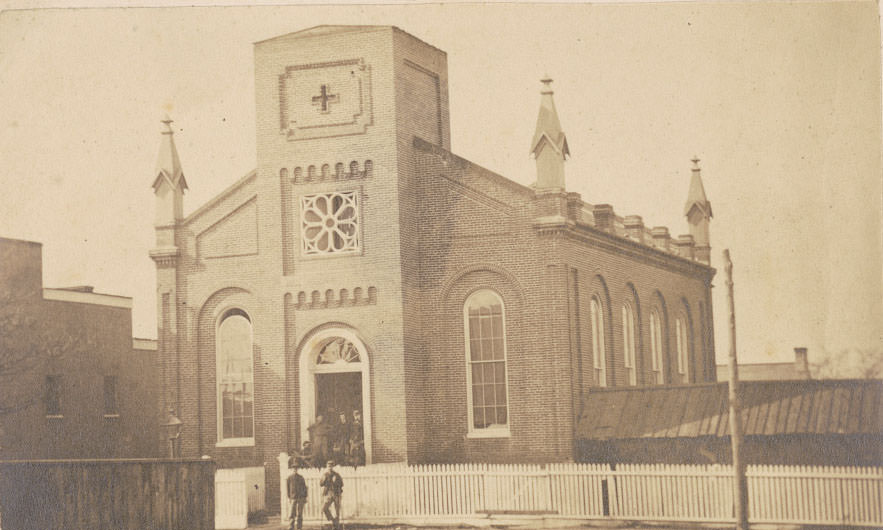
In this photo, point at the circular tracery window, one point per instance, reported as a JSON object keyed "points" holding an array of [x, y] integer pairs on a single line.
{"points": [[330, 223], [338, 350]]}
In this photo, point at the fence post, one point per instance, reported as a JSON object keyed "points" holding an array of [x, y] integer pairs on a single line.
{"points": [[283, 494]]}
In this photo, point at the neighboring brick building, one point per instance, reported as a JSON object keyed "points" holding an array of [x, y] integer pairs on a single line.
{"points": [[364, 266], [73, 382]]}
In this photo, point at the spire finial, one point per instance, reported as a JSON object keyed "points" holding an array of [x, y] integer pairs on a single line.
{"points": [[695, 161], [547, 85], [168, 165], [168, 123]]}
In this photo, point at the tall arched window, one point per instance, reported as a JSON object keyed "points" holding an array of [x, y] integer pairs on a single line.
{"points": [[235, 377], [683, 349], [656, 347], [486, 364], [628, 343], [599, 350]]}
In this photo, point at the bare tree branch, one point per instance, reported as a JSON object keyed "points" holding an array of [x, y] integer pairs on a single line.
{"points": [[853, 363], [30, 341]]}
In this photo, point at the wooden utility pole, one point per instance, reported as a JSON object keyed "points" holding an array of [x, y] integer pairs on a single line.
{"points": [[740, 483]]}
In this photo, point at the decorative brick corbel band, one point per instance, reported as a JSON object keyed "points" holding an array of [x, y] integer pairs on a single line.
{"points": [[335, 298]]}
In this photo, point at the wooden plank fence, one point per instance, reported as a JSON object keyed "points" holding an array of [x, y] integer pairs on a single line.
{"points": [[459, 492], [107, 494]]}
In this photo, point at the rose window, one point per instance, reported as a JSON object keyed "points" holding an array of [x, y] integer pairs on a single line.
{"points": [[330, 223]]}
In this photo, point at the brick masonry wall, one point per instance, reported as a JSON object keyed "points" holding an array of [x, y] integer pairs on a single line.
{"points": [[434, 229], [476, 231], [91, 341], [269, 284], [422, 102]]}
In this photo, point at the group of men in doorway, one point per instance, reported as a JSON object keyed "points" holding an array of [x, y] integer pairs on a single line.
{"points": [[332, 492], [341, 440]]}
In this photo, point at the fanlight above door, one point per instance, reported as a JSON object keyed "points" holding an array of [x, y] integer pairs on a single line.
{"points": [[338, 350]]}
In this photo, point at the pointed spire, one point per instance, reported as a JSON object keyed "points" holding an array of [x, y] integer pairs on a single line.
{"points": [[698, 213], [696, 196], [548, 130], [549, 145], [168, 165], [168, 180]]}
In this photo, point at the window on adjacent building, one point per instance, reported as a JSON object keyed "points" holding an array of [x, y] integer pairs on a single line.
{"points": [[53, 395], [110, 396], [330, 223], [656, 347], [486, 364], [628, 343], [235, 376], [599, 350], [683, 349]]}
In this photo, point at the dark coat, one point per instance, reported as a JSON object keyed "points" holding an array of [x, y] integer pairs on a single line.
{"points": [[332, 483], [297, 487]]}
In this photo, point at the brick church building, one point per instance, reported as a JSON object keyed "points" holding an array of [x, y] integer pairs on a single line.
{"points": [[363, 266]]}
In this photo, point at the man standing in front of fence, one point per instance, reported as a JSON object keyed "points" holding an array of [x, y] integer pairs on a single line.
{"points": [[332, 484], [297, 493]]}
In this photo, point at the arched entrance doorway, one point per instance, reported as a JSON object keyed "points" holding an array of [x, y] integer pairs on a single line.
{"points": [[334, 379]]}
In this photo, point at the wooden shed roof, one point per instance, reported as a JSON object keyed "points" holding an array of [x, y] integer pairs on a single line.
{"points": [[833, 406]]}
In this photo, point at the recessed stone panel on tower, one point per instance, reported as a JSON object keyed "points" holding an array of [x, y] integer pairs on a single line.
{"points": [[325, 99]]}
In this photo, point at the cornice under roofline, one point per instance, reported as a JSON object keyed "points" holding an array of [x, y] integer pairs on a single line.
{"points": [[218, 198], [79, 297], [610, 242]]}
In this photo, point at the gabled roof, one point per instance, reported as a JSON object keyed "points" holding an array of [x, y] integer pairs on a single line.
{"points": [[832, 406]]}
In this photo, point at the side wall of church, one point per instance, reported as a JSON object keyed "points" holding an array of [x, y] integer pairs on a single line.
{"points": [[476, 230], [646, 283], [475, 233]]}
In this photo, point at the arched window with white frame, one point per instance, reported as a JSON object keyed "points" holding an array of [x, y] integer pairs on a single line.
{"points": [[485, 330], [599, 348], [628, 343], [656, 354], [235, 369], [683, 345]]}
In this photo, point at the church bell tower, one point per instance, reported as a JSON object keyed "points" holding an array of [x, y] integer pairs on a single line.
{"points": [[338, 111]]}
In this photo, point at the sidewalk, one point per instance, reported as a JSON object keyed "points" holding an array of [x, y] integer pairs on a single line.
{"points": [[272, 523]]}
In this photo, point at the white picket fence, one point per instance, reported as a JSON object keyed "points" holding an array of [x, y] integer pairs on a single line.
{"points": [[231, 500], [459, 492], [238, 492]]}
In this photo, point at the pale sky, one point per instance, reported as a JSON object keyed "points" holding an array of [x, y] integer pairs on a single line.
{"points": [[781, 102]]}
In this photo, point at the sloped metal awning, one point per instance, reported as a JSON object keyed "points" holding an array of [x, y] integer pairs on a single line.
{"points": [[834, 406]]}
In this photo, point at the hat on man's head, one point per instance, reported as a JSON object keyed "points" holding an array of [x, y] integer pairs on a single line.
{"points": [[330, 463]]}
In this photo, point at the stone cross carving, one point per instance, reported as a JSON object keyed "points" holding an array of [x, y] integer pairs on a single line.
{"points": [[325, 98]]}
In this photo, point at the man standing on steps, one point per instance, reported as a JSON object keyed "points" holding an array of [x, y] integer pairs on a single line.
{"points": [[297, 493], [332, 484]]}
